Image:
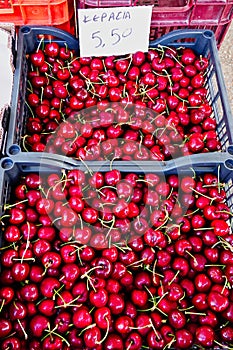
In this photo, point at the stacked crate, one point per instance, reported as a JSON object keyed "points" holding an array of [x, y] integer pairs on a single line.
{"points": [[172, 15], [17, 162]]}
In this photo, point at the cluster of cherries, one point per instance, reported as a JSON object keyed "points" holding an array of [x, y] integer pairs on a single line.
{"points": [[151, 105], [116, 261]]}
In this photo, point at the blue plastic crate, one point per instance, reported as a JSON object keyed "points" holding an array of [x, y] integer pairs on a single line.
{"points": [[201, 41], [12, 170]]}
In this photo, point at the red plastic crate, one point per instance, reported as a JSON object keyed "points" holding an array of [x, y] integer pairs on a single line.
{"points": [[169, 15], [58, 13]]}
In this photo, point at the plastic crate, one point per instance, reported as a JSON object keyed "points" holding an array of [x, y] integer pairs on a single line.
{"points": [[172, 15], [48, 12], [11, 172], [13, 167], [202, 42]]}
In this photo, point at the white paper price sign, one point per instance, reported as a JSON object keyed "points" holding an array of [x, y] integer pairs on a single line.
{"points": [[114, 31]]}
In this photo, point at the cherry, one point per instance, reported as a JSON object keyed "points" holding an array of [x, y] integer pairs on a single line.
{"points": [[123, 324], [139, 297], [155, 340], [11, 342], [220, 227], [54, 343], [98, 298], [5, 327], [205, 336], [92, 336], [227, 334], [217, 301], [116, 303], [183, 338], [48, 286], [20, 271], [82, 318], [46, 307], [133, 341], [209, 319], [177, 319], [102, 317], [113, 342]]}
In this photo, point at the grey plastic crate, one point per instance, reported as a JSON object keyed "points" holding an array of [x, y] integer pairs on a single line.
{"points": [[201, 41]]}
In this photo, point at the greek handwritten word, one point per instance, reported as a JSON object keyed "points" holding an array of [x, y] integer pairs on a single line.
{"points": [[108, 17]]}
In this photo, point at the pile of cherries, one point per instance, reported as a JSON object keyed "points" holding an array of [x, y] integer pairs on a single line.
{"points": [[116, 261], [151, 105]]}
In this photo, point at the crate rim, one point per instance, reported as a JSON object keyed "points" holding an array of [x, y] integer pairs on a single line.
{"points": [[168, 39], [200, 161]]}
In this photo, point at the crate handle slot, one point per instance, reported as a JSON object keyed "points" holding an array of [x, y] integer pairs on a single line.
{"points": [[229, 164], [14, 149], [7, 163], [230, 150], [33, 34]]}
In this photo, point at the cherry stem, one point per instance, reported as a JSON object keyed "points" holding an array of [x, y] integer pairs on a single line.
{"points": [[170, 49], [2, 305], [111, 227], [147, 268], [107, 186], [224, 212], [193, 212], [70, 303], [226, 244], [130, 62], [169, 79], [56, 292], [81, 221], [147, 182], [89, 279], [153, 327], [27, 259], [58, 335], [223, 346], [23, 330], [166, 218], [203, 228], [201, 194], [106, 333], [39, 45], [86, 328], [24, 142], [194, 313], [161, 298], [123, 249], [174, 277], [42, 93], [9, 206], [111, 162], [129, 346], [136, 262], [188, 308], [184, 295], [27, 243], [77, 248], [153, 270], [219, 179], [30, 88], [192, 256], [168, 345], [226, 284], [86, 274], [84, 163], [10, 245]]}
